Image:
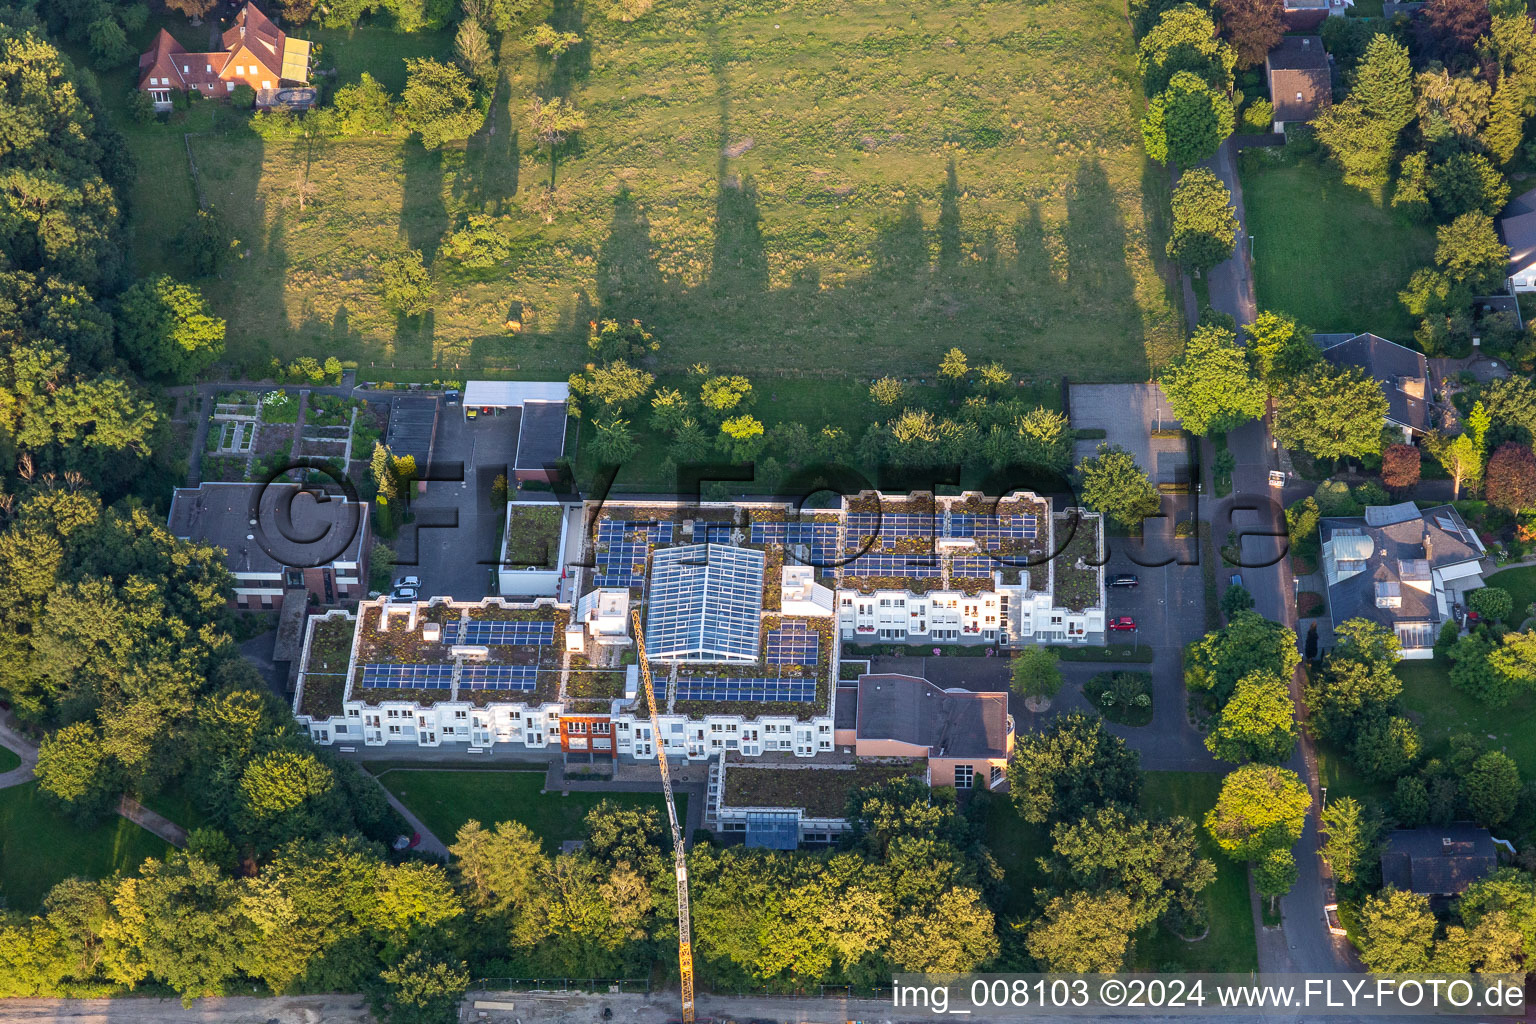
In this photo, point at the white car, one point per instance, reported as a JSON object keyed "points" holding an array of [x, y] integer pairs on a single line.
{"points": [[407, 581], [403, 594]]}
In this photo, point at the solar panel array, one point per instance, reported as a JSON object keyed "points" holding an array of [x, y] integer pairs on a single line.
{"points": [[498, 677], [889, 525], [818, 538], [622, 545], [793, 643], [487, 633], [975, 567], [407, 677], [886, 563], [1007, 527], [713, 533], [716, 688], [705, 602]]}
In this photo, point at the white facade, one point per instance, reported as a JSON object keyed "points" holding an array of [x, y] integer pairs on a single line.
{"points": [[604, 614], [939, 616], [527, 580]]}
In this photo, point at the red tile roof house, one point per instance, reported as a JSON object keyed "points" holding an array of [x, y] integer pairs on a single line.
{"points": [[256, 53]]}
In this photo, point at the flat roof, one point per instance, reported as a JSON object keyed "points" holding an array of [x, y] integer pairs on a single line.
{"points": [[295, 526], [506, 394], [949, 723], [541, 434]]}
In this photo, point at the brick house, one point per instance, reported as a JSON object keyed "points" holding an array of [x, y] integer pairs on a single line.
{"points": [[256, 53]]}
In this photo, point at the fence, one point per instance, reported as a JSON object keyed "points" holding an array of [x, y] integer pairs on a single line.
{"points": [[599, 985]]}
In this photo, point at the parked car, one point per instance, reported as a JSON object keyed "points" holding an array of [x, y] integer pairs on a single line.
{"points": [[1124, 624], [1125, 579], [403, 594], [1331, 916], [1236, 580], [404, 842], [407, 581], [471, 413]]}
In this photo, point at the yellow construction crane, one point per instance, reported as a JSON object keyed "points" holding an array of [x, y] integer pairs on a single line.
{"points": [[684, 932]]}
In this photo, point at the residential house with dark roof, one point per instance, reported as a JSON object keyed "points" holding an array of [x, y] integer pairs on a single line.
{"points": [[1401, 567], [1307, 15], [1300, 79], [279, 539], [966, 735], [255, 53], [1438, 861], [1402, 372], [1517, 226]]}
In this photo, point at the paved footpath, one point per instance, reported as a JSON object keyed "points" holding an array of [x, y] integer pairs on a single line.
{"points": [[23, 748], [430, 843]]}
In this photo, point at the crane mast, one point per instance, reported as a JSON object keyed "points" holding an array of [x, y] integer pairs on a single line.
{"points": [[684, 932]]}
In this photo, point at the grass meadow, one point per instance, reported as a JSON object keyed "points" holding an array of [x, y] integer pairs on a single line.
{"points": [[1327, 253], [825, 192]]}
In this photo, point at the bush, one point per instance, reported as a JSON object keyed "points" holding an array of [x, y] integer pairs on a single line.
{"points": [[1334, 499], [1372, 493], [243, 97], [1124, 697], [1492, 603], [1259, 117], [141, 107]]}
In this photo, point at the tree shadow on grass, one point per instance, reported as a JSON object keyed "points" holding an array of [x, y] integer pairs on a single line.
{"points": [[629, 283], [423, 215], [493, 157]]}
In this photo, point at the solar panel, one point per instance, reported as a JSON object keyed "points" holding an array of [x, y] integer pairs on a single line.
{"points": [[817, 539], [767, 533], [892, 564], [705, 603], [793, 643], [487, 633], [407, 677], [975, 567], [499, 677], [713, 533], [716, 688], [622, 546]]}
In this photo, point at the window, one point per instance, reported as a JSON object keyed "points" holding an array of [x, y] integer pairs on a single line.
{"points": [[186, 69], [461, 714], [229, 86], [997, 775], [394, 730], [208, 68], [266, 85], [352, 712], [964, 773]]}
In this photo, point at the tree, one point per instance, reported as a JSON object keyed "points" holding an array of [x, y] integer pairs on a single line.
{"points": [[1515, 657], [1459, 456], [472, 46], [1204, 224], [1261, 807], [1281, 348], [1187, 122], [613, 443], [1493, 788], [1359, 143], [1384, 84], [1184, 40], [1275, 875], [1254, 27], [954, 368], [205, 241], [1451, 27], [1385, 747], [407, 283], [741, 437], [1400, 466], [286, 795], [1412, 191], [1211, 387], [479, 243], [887, 391], [438, 103], [726, 394], [1083, 933], [192, 8], [1492, 603], [166, 329], [1469, 250], [1071, 767], [422, 988], [1466, 182], [1396, 932], [551, 40], [617, 386], [1506, 120], [1257, 724], [1331, 413], [1472, 672], [1248, 643], [362, 108], [1510, 479], [73, 766], [1350, 849], [553, 121], [1036, 672], [1114, 485], [1236, 599], [1157, 864], [496, 869]]}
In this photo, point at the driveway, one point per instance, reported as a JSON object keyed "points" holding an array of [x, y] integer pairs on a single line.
{"points": [[453, 545], [1128, 414], [1231, 281]]}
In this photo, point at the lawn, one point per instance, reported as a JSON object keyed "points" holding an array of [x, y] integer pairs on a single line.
{"points": [[1230, 945], [1440, 711], [8, 759], [40, 847], [1326, 253], [779, 189], [445, 800]]}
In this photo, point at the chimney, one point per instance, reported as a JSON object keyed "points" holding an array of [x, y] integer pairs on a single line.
{"points": [[1305, 42]]}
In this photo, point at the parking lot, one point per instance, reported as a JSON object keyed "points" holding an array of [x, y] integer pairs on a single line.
{"points": [[452, 545], [1129, 414]]}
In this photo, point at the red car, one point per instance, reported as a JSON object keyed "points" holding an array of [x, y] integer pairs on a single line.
{"points": [[1124, 624]]}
